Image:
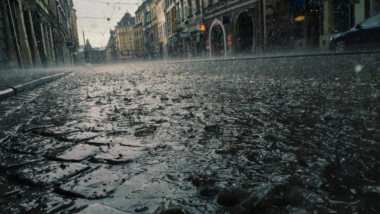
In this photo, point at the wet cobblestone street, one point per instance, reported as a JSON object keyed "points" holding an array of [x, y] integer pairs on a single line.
{"points": [[294, 135]]}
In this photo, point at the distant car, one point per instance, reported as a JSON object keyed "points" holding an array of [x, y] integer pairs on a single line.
{"points": [[363, 36]]}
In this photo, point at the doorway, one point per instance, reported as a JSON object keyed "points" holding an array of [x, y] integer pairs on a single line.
{"points": [[244, 30], [217, 38]]}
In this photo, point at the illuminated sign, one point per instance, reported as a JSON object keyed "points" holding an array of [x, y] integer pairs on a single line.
{"points": [[202, 27], [299, 18]]}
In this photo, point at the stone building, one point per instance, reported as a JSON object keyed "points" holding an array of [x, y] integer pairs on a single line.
{"points": [[153, 45], [233, 27], [139, 34], [39, 33], [125, 37]]}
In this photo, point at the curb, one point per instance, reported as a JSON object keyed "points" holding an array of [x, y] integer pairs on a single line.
{"points": [[30, 85]]}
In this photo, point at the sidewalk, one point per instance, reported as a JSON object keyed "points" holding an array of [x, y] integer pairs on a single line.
{"points": [[19, 77]]}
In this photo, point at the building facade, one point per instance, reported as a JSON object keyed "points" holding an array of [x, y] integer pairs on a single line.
{"points": [[153, 45], [39, 33], [139, 35], [233, 27], [172, 29], [125, 38]]}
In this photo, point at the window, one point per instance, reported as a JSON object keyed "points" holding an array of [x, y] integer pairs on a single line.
{"points": [[130, 45], [374, 20], [125, 45], [123, 37]]}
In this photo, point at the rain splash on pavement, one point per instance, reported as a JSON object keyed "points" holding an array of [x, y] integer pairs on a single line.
{"points": [[263, 136]]}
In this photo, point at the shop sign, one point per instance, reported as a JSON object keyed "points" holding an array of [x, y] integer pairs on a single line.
{"points": [[299, 18], [229, 40], [202, 27], [207, 44]]}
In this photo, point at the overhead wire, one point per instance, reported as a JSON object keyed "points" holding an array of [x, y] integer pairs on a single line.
{"points": [[114, 8], [108, 22]]}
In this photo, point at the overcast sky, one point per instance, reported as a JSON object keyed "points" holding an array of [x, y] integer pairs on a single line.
{"points": [[92, 18]]}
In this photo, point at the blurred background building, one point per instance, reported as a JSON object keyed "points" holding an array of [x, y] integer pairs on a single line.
{"points": [[38, 33]]}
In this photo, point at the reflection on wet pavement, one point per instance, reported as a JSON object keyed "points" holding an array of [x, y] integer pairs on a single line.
{"points": [[215, 137]]}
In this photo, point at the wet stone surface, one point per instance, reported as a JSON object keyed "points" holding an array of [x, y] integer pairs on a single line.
{"points": [[260, 136], [47, 173], [94, 185], [75, 154]]}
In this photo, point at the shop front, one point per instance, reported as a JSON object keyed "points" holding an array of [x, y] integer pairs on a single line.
{"points": [[196, 45], [217, 38], [195, 40], [237, 31]]}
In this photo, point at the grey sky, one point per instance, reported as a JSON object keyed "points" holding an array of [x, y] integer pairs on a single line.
{"points": [[96, 27]]}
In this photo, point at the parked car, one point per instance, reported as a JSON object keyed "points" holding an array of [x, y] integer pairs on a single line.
{"points": [[363, 36]]}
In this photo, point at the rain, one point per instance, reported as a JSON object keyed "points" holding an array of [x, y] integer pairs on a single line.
{"points": [[189, 106], [279, 135]]}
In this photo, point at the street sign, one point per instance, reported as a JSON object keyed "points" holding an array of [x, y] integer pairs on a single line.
{"points": [[183, 35]]}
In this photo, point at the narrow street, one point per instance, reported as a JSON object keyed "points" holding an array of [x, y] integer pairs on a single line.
{"points": [[290, 135]]}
